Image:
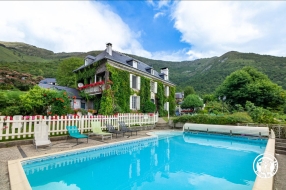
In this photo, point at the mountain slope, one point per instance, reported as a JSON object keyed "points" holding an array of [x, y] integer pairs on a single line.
{"points": [[206, 74], [203, 74]]}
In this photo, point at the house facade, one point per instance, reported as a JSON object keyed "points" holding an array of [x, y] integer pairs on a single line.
{"points": [[113, 82]]}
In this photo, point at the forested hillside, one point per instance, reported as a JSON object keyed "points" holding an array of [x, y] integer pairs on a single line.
{"points": [[203, 74]]}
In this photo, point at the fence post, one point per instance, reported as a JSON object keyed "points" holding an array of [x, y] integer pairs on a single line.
{"points": [[129, 119]]}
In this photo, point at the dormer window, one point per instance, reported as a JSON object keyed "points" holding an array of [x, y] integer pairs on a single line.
{"points": [[87, 61], [132, 63], [150, 70], [135, 63], [163, 76]]}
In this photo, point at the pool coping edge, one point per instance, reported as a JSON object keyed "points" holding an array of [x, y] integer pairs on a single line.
{"points": [[266, 183]]}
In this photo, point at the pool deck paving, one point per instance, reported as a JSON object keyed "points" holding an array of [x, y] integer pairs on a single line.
{"points": [[22, 151], [280, 177]]}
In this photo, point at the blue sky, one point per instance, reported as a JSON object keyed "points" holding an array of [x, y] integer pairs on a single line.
{"points": [[157, 32], [161, 29]]}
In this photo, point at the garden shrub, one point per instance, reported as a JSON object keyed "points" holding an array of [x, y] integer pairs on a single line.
{"points": [[259, 114], [214, 119], [149, 107], [242, 116], [11, 110]]}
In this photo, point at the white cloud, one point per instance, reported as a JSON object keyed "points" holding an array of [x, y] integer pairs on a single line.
{"points": [[67, 26], [158, 15], [213, 28], [150, 2], [163, 3], [179, 55]]}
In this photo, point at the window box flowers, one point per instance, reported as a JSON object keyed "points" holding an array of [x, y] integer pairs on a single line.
{"points": [[100, 83]]}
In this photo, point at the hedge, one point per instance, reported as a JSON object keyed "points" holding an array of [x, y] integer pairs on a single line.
{"points": [[213, 119]]}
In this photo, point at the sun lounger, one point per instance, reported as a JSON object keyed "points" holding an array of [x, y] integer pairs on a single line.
{"points": [[123, 127], [96, 130], [41, 135], [111, 129], [73, 132]]}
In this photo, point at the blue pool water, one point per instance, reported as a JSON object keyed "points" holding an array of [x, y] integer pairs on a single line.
{"points": [[180, 161]]}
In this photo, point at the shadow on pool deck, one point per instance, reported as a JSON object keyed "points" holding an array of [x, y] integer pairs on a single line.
{"points": [[20, 151]]}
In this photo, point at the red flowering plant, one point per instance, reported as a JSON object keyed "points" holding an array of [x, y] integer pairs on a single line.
{"points": [[91, 85], [5, 126]]}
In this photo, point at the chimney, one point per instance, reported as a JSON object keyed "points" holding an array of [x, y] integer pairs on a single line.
{"points": [[109, 48], [166, 72]]}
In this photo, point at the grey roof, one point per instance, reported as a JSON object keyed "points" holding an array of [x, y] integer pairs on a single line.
{"points": [[70, 91], [179, 95], [120, 58], [48, 80]]}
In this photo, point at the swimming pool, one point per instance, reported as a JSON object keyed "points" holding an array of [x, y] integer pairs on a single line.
{"points": [[174, 160]]}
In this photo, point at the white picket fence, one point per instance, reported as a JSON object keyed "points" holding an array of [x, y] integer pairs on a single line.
{"points": [[23, 126]]}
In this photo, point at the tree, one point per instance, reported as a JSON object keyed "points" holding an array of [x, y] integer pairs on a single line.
{"points": [[189, 90], [65, 75], [39, 100], [248, 84], [192, 101]]}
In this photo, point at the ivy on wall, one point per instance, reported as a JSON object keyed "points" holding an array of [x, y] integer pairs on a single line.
{"points": [[145, 94], [171, 100], [161, 99], [87, 73], [106, 103], [121, 92], [96, 102]]}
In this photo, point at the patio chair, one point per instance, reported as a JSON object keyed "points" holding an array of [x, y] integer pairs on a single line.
{"points": [[73, 132], [111, 129], [41, 135], [123, 127], [97, 131]]}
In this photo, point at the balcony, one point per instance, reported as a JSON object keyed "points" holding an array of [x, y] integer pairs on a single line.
{"points": [[93, 88]]}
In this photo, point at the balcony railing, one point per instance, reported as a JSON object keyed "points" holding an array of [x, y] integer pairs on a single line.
{"points": [[93, 88]]}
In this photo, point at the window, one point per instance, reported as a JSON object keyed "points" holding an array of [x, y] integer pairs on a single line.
{"points": [[135, 102], [167, 91], [153, 87], [134, 82], [166, 106]]}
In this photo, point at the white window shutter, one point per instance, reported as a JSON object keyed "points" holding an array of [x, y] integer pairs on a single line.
{"points": [[94, 78], [130, 80], [167, 91], [138, 102], [166, 106], [138, 83], [155, 87], [131, 102]]}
